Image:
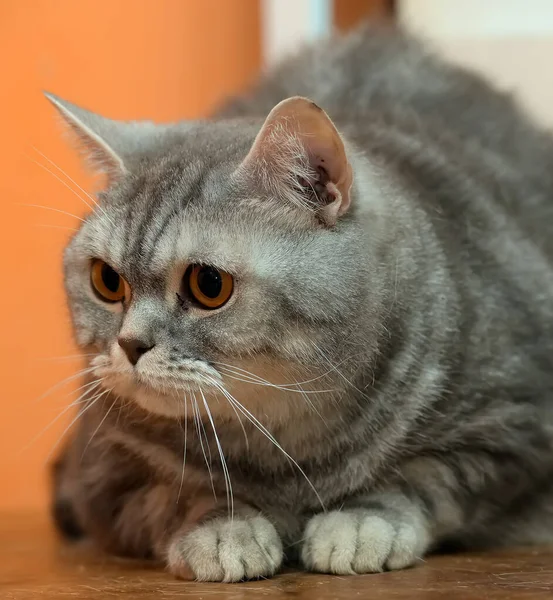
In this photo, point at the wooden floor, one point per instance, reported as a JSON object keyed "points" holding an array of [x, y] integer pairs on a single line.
{"points": [[33, 564]]}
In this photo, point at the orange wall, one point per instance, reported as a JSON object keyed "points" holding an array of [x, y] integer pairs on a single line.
{"points": [[162, 59]]}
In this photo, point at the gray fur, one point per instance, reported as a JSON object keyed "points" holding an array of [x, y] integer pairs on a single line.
{"points": [[422, 324]]}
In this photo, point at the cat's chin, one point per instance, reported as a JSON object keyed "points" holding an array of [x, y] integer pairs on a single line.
{"points": [[159, 403], [171, 403]]}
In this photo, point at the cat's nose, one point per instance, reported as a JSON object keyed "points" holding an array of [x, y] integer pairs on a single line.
{"points": [[134, 347]]}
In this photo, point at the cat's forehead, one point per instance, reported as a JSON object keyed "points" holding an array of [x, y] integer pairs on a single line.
{"points": [[183, 205], [177, 211], [197, 216]]}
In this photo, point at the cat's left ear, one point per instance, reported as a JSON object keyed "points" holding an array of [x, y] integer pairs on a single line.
{"points": [[109, 146], [300, 151]]}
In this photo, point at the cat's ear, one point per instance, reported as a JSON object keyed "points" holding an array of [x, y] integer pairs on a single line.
{"points": [[107, 145], [300, 149]]}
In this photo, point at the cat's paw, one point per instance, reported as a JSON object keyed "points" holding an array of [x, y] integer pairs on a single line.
{"points": [[362, 541], [225, 550]]}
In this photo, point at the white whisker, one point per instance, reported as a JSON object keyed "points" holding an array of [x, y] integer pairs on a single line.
{"points": [[63, 173], [63, 382], [198, 423], [238, 370], [67, 357], [247, 441], [58, 210], [98, 428], [90, 404], [228, 484], [338, 372], [61, 414], [89, 196], [61, 181], [185, 433], [268, 435], [47, 226], [289, 387], [312, 406], [91, 384]]}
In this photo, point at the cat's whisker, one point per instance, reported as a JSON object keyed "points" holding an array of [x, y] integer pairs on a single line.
{"points": [[285, 388], [281, 385], [296, 543], [91, 384], [67, 357], [312, 406], [92, 387], [64, 173], [64, 183], [63, 382], [48, 226], [91, 402], [246, 439], [226, 474], [269, 436], [61, 414], [249, 416], [202, 426], [185, 441], [240, 372], [58, 210], [198, 423], [338, 372], [89, 196], [100, 425], [310, 403]]}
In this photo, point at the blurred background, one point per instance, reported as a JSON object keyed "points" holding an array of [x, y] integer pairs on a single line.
{"points": [[164, 60]]}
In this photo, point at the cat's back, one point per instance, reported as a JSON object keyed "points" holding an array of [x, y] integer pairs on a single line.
{"points": [[380, 74]]}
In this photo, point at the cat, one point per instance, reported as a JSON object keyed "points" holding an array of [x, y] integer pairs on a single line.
{"points": [[321, 322]]}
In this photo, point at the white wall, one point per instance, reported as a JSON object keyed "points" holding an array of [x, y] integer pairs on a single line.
{"points": [[509, 40], [289, 23]]}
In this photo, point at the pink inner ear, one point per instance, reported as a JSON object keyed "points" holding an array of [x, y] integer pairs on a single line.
{"points": [[302, 120]]}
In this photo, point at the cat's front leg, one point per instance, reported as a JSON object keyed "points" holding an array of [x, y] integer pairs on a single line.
{"points": [[455, 497], [224, 548], [367, 535]]}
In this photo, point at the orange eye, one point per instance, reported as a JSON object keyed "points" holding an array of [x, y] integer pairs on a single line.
{"points": [[210, 287], [106, 282]]}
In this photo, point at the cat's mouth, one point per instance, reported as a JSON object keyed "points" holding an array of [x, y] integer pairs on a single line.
{"points": [[156, 388]]}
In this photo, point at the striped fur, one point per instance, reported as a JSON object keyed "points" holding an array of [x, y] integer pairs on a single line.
{"points": [[421, 324]]}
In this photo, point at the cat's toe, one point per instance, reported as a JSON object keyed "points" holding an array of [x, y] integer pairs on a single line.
{"points": [[410, 542], [361, 541], [225, 550]]}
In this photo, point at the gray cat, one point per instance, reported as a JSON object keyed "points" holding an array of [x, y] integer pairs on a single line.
{"points": [[322, 332]]}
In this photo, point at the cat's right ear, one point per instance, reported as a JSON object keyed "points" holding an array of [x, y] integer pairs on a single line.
{"points": [[106, 144]]}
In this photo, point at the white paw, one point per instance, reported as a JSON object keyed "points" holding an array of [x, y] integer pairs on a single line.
{"points": [[225, 550], [362, 541]]}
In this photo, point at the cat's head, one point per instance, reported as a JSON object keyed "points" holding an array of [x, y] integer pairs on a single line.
{"points": [[219, 251]]}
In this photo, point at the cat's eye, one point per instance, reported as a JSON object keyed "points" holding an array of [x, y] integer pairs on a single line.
{"points": [[208, 286], [106, 282]]}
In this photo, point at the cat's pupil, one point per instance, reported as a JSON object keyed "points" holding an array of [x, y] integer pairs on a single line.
{"points": [[210, 282], [110, 278]]}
